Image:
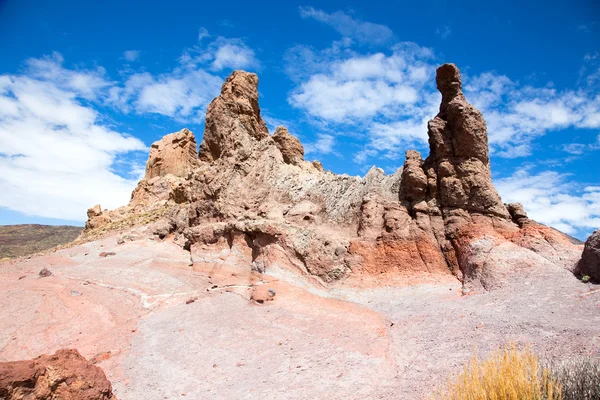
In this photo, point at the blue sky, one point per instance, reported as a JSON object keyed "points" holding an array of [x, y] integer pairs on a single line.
{"points": [[86, 87]]}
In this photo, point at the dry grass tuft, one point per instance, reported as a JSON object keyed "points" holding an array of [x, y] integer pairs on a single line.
{"points": [[508, 374], [579, 378]]}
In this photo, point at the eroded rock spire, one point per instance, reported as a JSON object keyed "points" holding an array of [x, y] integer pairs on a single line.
{"points": [[233, 118], [458, 165], [255, 195]]}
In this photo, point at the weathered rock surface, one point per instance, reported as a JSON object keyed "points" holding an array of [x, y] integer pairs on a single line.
{"points": [[590, 259], [431, 219], [290, 147], [233, 119], [174, 154], [64, 375]]}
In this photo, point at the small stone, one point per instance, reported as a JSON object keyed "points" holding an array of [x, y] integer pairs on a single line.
{"points": [[45, 273], [271, 292], [75, 293], [107, 253]]}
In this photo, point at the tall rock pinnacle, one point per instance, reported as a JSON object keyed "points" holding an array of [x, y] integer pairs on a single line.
{"points": [[458, 166], [233, 118], [255, 192]]}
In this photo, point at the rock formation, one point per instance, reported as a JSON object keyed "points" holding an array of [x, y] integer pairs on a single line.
{"points": [[590, 259], [233, 119], [290, 147], [64, 375], [254, 196], [174, 154]]}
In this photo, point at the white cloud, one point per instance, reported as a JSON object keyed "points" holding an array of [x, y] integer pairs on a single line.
{"points": [[366, 32], [386, 97], [86, 84], [184, 93], [574, 148], [323, 145], [202, 33], [516, 115], [389, 96], [56, 155], [550, 198], [131, 55], [361, 87], [234, 56], [222, 53]]}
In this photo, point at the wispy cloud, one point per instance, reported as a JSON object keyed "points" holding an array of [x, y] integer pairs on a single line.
{"points": [[362, 87], [346, 25], [587, 27], [388, 95], [444, 32], [323, 145], [56, 155], [131, 55], [184, 92], [553, 199], [516, 114]]}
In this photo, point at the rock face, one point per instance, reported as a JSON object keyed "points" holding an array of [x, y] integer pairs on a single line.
{"points": [[590, 259], [254, 196], [233, 119], [64, 375], [290, 147], [174, 154]]}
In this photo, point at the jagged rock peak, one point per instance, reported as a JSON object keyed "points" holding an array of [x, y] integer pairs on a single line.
{"points": [[233, 118], [290, 147], [448, 82], [174, 154], [458, 161], [459, 130]]}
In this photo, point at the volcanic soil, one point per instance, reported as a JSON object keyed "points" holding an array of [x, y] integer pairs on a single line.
{"points": [[164, 326]]}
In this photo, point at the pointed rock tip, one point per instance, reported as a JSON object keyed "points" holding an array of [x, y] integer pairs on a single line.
{"points": [[241, 76], [413, 155], [447, 78], [281, 130]]}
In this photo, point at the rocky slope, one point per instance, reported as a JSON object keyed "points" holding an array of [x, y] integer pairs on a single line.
{"points": [[253, 194], [26, 239]]}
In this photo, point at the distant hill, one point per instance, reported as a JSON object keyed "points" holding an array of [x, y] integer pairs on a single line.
{"points": [[22, 240]]}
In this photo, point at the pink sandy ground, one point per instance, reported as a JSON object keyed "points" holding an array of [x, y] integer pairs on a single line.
{"points": [[129, 311]]}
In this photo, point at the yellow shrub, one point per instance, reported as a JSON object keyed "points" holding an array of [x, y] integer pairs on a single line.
{"points": [[506, 375]]}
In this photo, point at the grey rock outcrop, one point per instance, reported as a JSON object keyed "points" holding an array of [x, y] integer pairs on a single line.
{"points": [[436, 217]]}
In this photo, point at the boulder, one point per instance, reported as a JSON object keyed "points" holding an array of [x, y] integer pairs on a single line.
{"points": [[590, 258], [63, 375]]}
